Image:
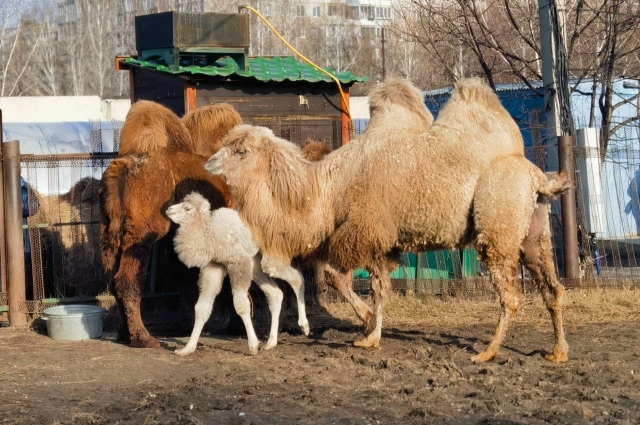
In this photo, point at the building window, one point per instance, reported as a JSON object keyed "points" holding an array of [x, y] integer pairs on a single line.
{"points": [[267, 10], [300, 11], [316, 11], [383, 12], [332, 31], [367, 12], [333, 10], [368, 33], [316, 33], [302, 33]]}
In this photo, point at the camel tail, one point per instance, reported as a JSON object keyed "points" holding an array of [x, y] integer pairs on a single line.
{"points": [[112, 213], [556, 185]]}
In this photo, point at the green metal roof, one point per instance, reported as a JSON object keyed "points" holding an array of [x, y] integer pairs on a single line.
{"points": [[277, 68]]}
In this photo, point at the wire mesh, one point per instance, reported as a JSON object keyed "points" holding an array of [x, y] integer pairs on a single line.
{"points": [[63, 229]]}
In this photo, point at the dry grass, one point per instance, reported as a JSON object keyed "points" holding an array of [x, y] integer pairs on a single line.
{"points": [[580, 306]]}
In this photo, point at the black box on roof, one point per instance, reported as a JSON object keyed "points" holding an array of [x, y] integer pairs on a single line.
{"points": [[192, 30]]}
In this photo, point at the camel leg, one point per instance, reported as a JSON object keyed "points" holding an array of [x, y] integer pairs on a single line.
{"points": [[381, 287], [508, 186], [279, 270], [338, 281], [128, 288], [274, 298], [503, 275], [123, 327], [210, 283], [537, 256], [240, 274]]}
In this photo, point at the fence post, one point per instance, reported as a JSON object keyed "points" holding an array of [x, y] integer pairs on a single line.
{"points": [[3, 242], [569, 211], [14, 234]]}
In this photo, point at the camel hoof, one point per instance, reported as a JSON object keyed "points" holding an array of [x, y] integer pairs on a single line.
{"points": [[558, 357], [146, 343], [269, 345], [370, 324], [123, 338], [365, 343], [485, 356], [184, 351], [306, 329]]}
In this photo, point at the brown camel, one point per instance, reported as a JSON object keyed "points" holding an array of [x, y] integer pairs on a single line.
{"points": [[159, 163], [403, 186]]}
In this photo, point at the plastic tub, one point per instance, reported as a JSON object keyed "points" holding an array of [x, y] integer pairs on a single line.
{"points": [[74, 322]]}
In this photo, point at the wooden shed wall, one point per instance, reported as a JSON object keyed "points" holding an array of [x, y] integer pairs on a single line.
{"points": [[161, 88], [277, 105]]}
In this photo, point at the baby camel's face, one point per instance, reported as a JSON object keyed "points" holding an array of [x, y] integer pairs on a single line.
{"points": [[181, 213]]}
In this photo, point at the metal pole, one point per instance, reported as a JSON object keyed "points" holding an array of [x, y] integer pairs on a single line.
{"points": [[14, 234], [569, 215], [3, 242], [384, 67], [552, 104]]}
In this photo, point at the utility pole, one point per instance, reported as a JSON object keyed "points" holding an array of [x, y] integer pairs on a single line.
{"points": [[559, 125], [384, 68]]}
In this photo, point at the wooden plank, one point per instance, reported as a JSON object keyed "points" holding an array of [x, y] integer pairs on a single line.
{"points": [[284, 98], [190, 91]]}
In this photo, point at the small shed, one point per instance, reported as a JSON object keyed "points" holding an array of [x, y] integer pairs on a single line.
{"points": [[189, 60]]}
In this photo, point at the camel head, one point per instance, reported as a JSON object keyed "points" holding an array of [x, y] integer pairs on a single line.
{"points": [[192, 205], [253, 157]]}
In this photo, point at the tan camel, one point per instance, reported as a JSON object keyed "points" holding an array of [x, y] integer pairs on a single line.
{"points": [[402, 186]]}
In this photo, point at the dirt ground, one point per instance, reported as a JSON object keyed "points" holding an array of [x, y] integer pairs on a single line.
{"points": [[421, 373]]}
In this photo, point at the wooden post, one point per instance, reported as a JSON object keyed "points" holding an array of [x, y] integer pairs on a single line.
{"points": [[190, 91], [569, 214], [347, 125], [132, 85], [14, 234], [3, 240]]}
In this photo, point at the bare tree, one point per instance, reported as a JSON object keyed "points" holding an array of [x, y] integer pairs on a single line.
{"points": [[500, 40], [19, 39]]}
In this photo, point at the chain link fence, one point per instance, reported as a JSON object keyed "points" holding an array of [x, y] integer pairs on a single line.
{"points": [[62, 234]]}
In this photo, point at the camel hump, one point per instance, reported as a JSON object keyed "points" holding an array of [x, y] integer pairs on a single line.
{"points": [[315, 151], [474, 90], [209, 124], [399, 93], [150, 126]]}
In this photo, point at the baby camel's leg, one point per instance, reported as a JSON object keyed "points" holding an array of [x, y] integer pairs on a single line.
{"points": [[274, 298], [537, 256], [240, 274], [279, 270], [381, 287], [210, 284]]}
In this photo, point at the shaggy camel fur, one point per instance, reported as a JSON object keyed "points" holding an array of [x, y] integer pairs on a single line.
{"points": [[403, 187], [286, 211], [217, 242], [158, 164]]}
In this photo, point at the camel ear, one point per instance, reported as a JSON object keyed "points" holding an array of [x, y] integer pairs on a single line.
{"points": [[205, 206]]}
